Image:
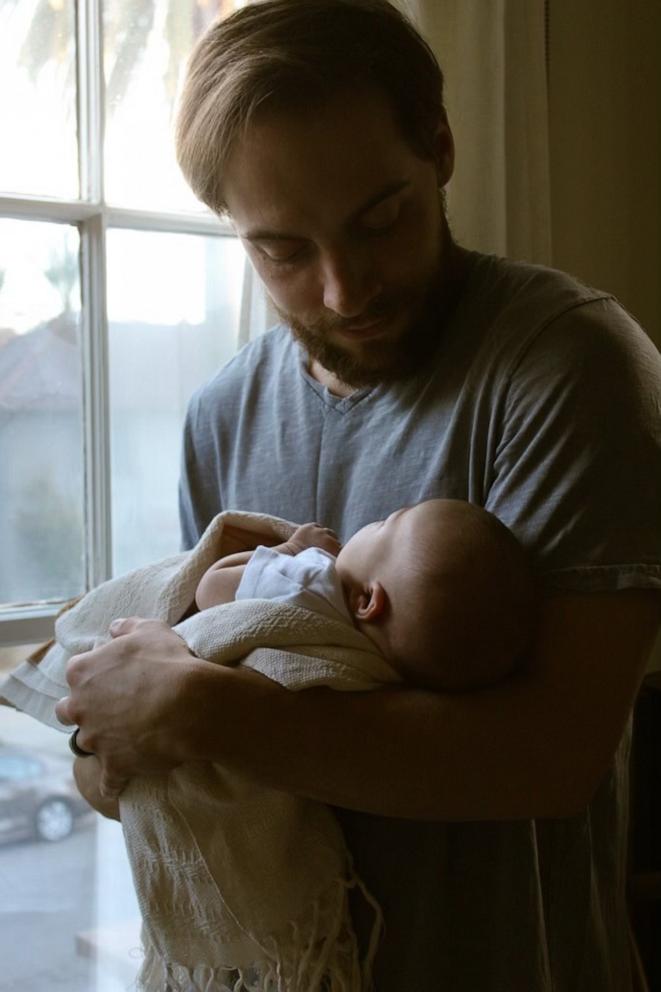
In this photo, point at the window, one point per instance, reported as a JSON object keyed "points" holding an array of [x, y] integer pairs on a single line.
{"points": [[119, 295]]}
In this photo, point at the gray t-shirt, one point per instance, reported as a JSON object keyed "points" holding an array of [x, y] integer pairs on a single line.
{"points": [[542, 405]]}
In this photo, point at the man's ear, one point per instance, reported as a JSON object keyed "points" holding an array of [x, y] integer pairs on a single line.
{"points": [[370, 603], [444, 152]]}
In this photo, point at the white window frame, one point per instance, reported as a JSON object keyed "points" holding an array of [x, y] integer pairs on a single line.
{"points": [[33, 623]]}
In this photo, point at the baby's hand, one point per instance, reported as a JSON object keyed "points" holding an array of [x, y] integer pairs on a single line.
{"points": [[313, 536]]}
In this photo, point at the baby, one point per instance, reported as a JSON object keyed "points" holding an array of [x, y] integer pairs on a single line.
{"points": [[442, 589]]}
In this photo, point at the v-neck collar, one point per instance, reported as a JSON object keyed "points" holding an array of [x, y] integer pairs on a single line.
{"points": [[341, 404]]}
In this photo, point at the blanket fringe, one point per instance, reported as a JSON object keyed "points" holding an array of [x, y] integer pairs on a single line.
{"points": [[319, 956]]}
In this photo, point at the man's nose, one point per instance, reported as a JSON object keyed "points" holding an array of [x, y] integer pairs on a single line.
{"points": [[349, 284]]}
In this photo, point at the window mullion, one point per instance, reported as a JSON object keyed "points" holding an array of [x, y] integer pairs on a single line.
{"points": [[96, 406], [90, 98]]}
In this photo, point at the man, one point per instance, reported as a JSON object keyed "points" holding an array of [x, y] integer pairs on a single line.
{"points": [[489, 826]]}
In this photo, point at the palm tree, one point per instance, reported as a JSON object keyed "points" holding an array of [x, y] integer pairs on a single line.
{"points": [[63, 275], [127, 27]]}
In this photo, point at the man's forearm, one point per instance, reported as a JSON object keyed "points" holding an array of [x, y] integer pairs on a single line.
{"points": [[534, 746], [395, 752]]}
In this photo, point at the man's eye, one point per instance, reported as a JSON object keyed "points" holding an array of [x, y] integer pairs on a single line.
{"points": [[282, 252], [382, 216]]}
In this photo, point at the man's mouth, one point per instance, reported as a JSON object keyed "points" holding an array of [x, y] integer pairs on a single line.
{"points": [[362, 330]]}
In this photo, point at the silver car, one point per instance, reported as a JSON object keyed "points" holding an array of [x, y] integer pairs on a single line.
{"points": [[38, 796]]}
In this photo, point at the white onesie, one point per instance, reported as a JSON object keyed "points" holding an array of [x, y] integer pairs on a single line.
{"points": [[308, 579]]}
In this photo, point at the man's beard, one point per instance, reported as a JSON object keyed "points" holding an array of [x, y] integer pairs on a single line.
{"points": [[384, 360]]}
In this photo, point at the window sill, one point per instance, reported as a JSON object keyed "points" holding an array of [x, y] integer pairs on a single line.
{"points": [[31, 625]]}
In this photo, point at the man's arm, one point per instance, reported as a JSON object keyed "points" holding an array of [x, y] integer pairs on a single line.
{"points": [[536, 745]]}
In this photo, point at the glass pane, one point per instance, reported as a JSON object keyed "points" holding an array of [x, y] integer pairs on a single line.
{"points": [[68, 913], [41, 446], [38, 97], [146, 45], [173, 323]]}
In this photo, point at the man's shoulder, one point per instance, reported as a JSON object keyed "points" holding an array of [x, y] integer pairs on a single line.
{"points": [[528, 309], [520, 286], [271, 351]]}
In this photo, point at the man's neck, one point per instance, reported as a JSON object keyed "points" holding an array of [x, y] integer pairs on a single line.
{"points": [[334, 385]]}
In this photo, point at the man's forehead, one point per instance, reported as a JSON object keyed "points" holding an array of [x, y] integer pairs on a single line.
{"points": [[286, 165]]}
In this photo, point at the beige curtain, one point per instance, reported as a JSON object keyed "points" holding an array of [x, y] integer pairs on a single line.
{"points": [[493, 55]]}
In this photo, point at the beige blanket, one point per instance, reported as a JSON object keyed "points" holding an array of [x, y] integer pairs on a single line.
{"points": [[240, 887]]}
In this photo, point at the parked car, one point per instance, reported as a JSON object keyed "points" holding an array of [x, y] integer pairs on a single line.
{"points": [[38, 796]]}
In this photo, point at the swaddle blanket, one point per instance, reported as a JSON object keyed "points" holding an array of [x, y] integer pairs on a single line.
{"points": [[241, 888]]}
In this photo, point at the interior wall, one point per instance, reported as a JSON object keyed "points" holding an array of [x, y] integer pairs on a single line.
{"points": [[605, 109], [605, 117]]}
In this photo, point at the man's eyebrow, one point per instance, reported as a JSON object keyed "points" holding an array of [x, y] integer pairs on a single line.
{"points": [[264, 234], [390, 190]]}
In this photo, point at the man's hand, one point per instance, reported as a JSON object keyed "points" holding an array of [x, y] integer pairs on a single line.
{"points": [[87, 773], [126, 700]]}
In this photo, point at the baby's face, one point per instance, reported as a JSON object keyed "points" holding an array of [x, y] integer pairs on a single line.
{"points": [[374, 548]]}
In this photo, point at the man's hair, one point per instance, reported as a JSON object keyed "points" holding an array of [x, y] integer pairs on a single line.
{"points": [[297, 55]]}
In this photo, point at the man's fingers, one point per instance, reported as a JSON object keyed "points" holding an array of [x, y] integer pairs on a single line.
{"points": [[63, 712], [111, 785], [87, 773], [122, 625], [128, 625]]}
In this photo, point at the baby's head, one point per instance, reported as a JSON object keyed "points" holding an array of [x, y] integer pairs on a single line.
{"points": [[445, 591]]}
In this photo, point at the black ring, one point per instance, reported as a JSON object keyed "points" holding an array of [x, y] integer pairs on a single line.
{"points": [[75, 746]]}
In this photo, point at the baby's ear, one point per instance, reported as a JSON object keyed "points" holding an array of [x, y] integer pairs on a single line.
{"points": [[370, 603]]}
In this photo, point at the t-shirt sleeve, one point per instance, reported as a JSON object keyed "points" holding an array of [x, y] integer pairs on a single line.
{"points": [[199, 491], [577, 473]]}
